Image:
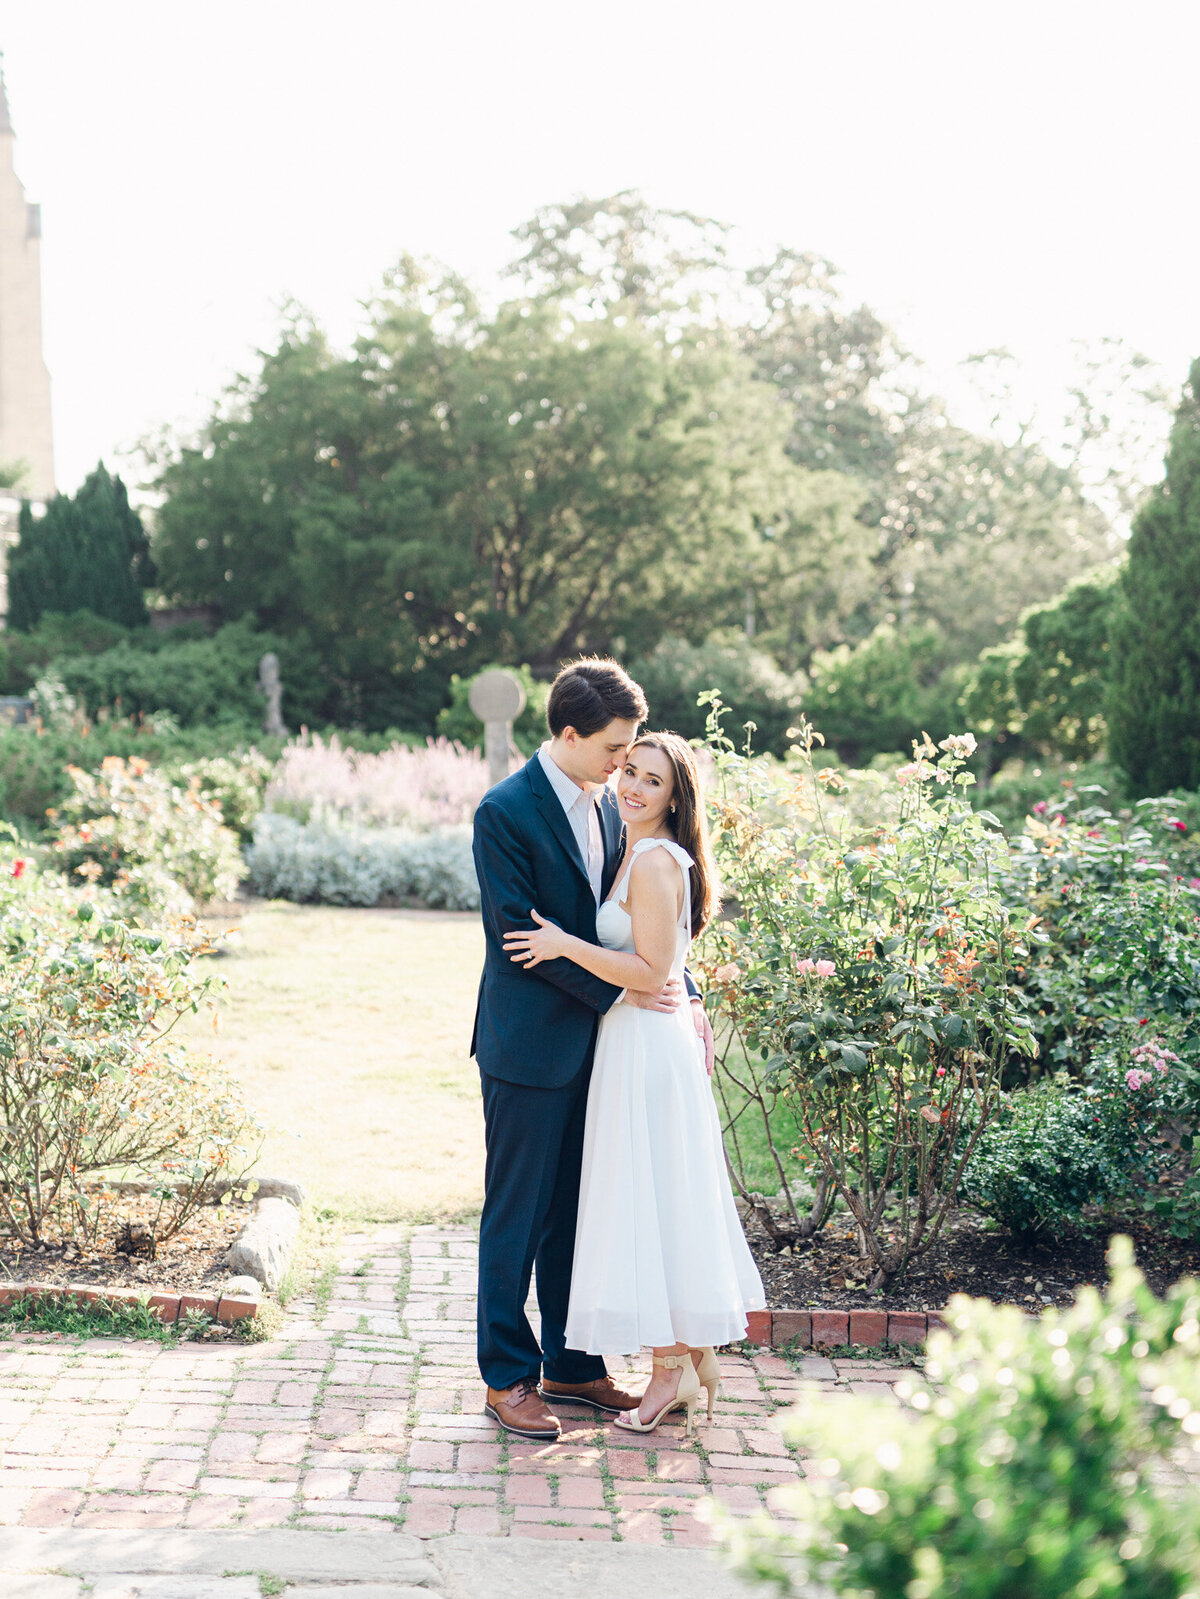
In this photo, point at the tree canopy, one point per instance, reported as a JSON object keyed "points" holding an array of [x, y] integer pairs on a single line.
{"points": [[1154, 703], [87, 552], [646, 441]]}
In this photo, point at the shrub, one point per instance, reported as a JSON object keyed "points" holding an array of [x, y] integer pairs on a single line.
{"points": [[873, 970], [24, 657], [1037, 1164], [161, 845], [1033, 1467], [90, 1083], [35, 757], [341, 863], [1018, 785], [200, 681], [867, 700], [438, 784], [751, 686], [459, 723], [1046, 688], [1115, 901], [235, 784]]}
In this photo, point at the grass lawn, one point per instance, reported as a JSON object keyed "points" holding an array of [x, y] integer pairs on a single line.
{"points": [[348, 1030]]}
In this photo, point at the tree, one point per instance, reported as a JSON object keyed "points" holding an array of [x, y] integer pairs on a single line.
{"points": [[1113, 430], [1154, 705], [1045, 689], [959, 530], [88, 552], [594, 255], [836, 364], [750, 684], [975, 531], [651, 440], [468, 488], [877, 697]]}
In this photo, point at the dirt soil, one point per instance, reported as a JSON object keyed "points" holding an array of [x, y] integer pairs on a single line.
{"points": [[192, 1260], [825, 1273]]}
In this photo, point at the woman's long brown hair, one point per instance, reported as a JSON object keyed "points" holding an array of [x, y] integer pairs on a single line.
{"points": [[688, 823]]}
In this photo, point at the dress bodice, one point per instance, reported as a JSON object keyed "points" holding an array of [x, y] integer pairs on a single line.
{"points": [[614, 925]]}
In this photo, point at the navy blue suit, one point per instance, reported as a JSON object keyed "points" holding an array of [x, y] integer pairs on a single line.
{"points": [[534, 1036]]}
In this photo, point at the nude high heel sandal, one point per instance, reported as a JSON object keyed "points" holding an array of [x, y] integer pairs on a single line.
{"points": [[687, 1397], [708, 1375]]}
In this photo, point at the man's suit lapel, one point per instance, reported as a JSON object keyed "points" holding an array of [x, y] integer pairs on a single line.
{"points": [[555, 817]]}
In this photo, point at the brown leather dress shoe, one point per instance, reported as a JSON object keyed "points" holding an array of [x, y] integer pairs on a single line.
{"points": [[522, 1410], [602, 1394]]}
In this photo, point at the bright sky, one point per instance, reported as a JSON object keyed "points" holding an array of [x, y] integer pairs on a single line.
{"points": [[986, 174]]}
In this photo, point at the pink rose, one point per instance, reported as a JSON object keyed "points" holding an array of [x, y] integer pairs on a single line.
{"points": [[729, 973], [805, 966], [1041, 807], [825, 968]]}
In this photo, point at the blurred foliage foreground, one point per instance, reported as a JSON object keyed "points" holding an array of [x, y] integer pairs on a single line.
{"points": [[1039, 1460]]}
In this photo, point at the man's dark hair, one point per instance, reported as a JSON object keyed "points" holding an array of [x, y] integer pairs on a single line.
{"points": [[589, 694]]}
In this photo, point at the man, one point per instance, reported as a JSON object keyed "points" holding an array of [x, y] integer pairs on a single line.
{"points": [[548, 836]]}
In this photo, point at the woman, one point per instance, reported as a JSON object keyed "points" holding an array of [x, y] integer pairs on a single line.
{"points": [[660, 1257]]}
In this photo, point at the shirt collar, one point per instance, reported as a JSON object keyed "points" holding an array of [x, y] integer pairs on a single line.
{"points": [[568, 791]]}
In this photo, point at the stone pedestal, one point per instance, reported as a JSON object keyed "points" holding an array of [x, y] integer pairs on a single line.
{"points": [[497, 699]]}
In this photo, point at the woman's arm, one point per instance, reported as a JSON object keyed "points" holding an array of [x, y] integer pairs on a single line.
{"points": [[655, 896]]}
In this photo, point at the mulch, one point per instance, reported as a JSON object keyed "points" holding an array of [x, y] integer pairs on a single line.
{"points": [[192, 1261], [825, 1272]]}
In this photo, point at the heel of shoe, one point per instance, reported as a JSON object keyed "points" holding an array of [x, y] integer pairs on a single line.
{"points": [[708, 1374], [690, 1426]]}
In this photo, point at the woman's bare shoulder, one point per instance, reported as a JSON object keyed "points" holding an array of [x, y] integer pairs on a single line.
{"points": [[655, 870]]}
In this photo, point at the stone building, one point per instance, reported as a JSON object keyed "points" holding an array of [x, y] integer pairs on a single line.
{"points": [[26, 439]]}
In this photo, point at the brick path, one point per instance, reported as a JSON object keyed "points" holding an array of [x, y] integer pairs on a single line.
{"points": [[369, 1418]]}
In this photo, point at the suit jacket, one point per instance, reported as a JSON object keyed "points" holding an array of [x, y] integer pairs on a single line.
{"points": [[537, 1027]]}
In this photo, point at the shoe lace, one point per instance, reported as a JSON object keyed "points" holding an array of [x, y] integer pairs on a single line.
{"points": [[521, 1391]]}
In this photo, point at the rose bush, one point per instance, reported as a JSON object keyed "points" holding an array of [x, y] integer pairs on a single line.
{"points": [[162, 845], [871, 970], [1063, 1150], [1114, 900], [92, 1084], [234, 783]]}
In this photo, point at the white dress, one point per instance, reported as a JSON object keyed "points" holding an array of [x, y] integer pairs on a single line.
{"points": [[660, 1256]]}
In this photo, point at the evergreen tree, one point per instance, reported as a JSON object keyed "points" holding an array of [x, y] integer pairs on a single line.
{"points": [[1154, 710], [88, 552]]}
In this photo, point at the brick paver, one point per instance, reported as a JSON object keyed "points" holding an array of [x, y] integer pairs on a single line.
{"points": [[369, 1417]]}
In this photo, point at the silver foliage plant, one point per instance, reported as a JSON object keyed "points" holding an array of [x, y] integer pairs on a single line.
{"points": [[340, 863]]}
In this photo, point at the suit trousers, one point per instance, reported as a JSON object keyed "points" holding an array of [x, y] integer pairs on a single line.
{"points": [[531, 1195]]}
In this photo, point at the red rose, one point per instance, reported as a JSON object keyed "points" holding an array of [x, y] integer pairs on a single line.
{"points": [[19, 868]]}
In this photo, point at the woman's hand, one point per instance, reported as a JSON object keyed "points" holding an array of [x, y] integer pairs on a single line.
{"points": [[547, 944]]}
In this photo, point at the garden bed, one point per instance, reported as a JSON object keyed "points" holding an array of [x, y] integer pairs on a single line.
{"points": [[824, 1272], [189, 1267]]}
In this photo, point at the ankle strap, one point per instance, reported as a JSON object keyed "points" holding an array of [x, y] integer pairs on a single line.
{"points": [[672, 1362]]}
